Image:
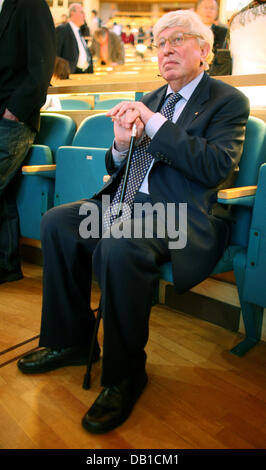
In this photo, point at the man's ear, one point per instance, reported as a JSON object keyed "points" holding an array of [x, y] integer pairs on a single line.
{"points": [[205, 50]]}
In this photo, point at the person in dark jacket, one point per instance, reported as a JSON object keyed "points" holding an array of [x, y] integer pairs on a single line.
{"points": [[71, 44], [208, 10], [27, 51]]}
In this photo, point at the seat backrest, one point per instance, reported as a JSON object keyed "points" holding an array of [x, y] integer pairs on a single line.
{"points": [[255, 275], [79, 173], [55, 130], [95, 131], [74, 104], [108, 104], [253, 156]]}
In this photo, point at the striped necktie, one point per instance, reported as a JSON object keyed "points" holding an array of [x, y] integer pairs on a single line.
{"points": [[140, 163], [84, 44]]}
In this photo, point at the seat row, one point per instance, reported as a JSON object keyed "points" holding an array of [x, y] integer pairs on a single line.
{"points": [[246, 252], [70, 104], [66, 164]]}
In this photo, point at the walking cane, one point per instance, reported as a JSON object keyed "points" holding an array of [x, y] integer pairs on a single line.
{"points": [[129, 155], [86, 382]]}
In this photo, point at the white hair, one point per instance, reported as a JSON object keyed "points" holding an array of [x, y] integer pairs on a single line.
{"points": [[73, 7], [192, 23]]}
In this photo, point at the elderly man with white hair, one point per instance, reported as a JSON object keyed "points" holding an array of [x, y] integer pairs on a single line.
{"points": [[190, 135]]}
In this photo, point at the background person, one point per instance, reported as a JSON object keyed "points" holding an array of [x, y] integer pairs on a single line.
{"points": [[141, 35], [107, 47], [127, 36], [95, 21], [117, 28], [61, 72], [208, 10], [27, 51], [70, 42]]}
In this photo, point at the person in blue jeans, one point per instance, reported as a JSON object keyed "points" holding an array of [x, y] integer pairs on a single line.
{"points": [[27, 51]]}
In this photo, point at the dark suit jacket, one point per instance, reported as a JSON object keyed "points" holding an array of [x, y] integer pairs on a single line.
{"points": [[67, 47], [27, 51], [193, 159]]}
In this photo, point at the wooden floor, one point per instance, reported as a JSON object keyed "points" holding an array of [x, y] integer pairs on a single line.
{"points": [[199, 395]]}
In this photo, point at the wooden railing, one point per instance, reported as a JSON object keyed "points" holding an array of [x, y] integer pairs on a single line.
{"points": [[142, 81], [135, 78]]}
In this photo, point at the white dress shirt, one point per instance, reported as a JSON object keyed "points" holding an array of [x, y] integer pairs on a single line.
{"points": [[1, 4], [157, 120], [83, 59]]}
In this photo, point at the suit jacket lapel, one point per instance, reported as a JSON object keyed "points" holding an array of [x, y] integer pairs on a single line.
{"points": [[74, 38], [195, 104], [6, 13], [157, 99]]}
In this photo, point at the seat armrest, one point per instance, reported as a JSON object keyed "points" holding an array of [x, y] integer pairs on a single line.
{"points": [[47, 171], [232, 193], [239, 196]]}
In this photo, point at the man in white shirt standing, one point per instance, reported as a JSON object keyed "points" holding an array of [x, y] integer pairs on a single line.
{"points": [[70, 43]]}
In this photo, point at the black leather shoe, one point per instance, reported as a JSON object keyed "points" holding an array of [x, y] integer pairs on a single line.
{"points": [[48, 359], [113, 405]]}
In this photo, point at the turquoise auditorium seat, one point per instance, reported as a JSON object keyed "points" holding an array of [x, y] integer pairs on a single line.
{"points": [[74, 104], [79, 173], [246, 253], [80, 167], [64, 170], [108, 104], [95, 131], [35, 193]]}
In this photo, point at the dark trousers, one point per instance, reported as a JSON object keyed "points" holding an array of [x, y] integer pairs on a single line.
{"points": [[127, 270], [15, 141]]}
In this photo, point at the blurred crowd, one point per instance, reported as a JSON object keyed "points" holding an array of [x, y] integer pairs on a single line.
{"points": [[106, 42]]}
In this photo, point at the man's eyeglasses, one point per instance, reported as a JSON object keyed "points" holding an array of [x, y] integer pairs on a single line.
{"points": [[176, 40]]}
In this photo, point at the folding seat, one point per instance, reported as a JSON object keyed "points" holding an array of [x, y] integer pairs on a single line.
{"points": [[81, 166], [108, 104], [95, 131], [74, 104], [79, 173], [35, 192], [45, 185], [246, 253]]}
